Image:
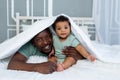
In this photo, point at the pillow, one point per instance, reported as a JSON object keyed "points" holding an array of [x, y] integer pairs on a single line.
{"points": [[25, 27], [85, 30]]}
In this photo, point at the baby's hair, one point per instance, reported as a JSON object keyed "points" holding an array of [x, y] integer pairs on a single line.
{"points": [[60, 19]]}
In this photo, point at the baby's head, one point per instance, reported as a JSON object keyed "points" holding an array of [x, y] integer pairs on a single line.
{"points": [[62, 26], [61, 19]]}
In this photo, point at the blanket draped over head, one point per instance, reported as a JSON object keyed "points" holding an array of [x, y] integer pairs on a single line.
{"points": [[10, 46]]}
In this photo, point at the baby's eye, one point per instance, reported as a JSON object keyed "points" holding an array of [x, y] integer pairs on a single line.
{"points": [[58, 28], [66, 27]]}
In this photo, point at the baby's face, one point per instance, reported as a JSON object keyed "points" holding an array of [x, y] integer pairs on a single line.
{"points": [[62, 29]]}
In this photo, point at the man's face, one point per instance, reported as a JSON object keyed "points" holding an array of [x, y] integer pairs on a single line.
{"points": [[43, 41]]}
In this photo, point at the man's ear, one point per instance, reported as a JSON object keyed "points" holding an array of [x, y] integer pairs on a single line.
{"points": [[32, 42]]}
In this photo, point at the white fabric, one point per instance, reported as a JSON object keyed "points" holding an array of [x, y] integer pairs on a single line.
{"points": [[83, 70], [9, 47], [106, 15]]}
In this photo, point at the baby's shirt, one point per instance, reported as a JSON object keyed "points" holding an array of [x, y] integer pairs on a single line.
{"points": [[59, 46]]}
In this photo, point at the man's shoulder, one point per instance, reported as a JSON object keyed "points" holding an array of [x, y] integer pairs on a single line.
{"points": [[27, 46], [27, 50]]}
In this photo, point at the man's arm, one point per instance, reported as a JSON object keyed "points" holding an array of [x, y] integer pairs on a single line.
{"points": [[52, 57], [18, 62], [72, 52]]}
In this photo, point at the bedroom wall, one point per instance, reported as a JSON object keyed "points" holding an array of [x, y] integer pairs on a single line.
{"points": [[74, 8], [3, 21]]}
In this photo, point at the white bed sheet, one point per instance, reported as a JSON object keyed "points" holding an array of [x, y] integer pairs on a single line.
{"points": [[82, 70]]}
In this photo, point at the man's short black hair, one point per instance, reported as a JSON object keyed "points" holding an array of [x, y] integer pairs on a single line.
{"points": [[47, 29]]}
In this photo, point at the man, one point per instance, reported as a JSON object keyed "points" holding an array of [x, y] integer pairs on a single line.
{"points": [[40, 45]]}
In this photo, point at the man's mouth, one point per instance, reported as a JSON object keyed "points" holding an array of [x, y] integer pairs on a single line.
{"points": [[47, 47]]}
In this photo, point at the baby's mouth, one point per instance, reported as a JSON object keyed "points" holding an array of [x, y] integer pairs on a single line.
{"points": [[63, 33]]}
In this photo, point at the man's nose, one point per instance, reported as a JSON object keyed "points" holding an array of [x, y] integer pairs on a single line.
{"points": [[45, 41]]}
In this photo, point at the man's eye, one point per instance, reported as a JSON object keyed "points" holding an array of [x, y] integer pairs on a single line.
{"points": [[39, 40], [48, 37]]}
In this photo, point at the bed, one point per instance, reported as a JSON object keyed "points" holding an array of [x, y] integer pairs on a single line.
{"points": [[106, 67]]}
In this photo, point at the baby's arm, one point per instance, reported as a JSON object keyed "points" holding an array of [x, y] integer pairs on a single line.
{"points": [[84, 53], [69, 61]]}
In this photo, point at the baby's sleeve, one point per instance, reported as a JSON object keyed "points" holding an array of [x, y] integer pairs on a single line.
{"points": [[75, 42]]}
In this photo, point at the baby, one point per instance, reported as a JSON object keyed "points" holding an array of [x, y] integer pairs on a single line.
{"points": [[63, 38]]}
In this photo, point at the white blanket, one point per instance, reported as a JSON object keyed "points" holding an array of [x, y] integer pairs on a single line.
{"points": [[83, 70], [10, 46]]}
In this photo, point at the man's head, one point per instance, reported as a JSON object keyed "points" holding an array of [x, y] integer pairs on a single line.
{"points": [[43, 41]]}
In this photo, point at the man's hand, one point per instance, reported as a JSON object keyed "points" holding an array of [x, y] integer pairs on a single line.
{"points": [[46, 67], [53, 59], [52, 53], [72, 52]]}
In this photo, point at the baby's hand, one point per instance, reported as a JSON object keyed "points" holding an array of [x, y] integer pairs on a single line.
{"points": [[60, 67], [91, 58]]}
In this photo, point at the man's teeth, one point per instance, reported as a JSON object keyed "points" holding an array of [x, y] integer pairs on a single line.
{"points": [[47, 47]]}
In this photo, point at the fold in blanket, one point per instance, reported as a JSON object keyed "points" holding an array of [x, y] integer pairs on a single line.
{"points": [[10, 46]]}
